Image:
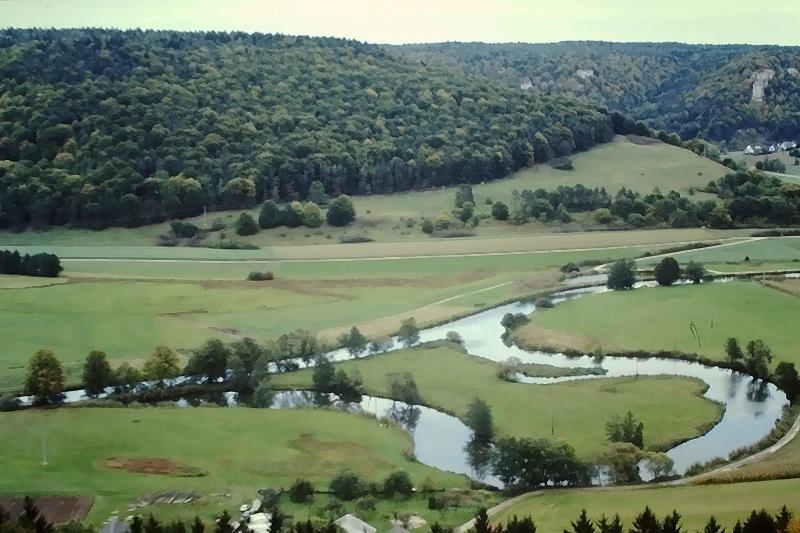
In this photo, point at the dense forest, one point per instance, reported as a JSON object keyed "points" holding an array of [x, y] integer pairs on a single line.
{"points": [[101, 127], [695, 90]]}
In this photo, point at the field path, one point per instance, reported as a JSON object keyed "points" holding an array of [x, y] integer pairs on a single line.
{"points": [[736, 240], [732, 242], [763, 454]]}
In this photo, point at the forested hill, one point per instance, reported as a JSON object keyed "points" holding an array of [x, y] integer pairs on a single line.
{"points": [[695, 90], [105, 127]]}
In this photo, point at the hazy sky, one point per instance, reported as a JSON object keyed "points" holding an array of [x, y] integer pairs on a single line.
{"points": [[403, 21]]}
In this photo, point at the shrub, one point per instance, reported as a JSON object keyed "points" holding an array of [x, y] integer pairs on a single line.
{"points": [[602, 216], [455, 337], [9, 402], [398, 483], [183, 230], [301, 491], [347, 486], [352, 239], [167, 240], [562, 163], [341, 211], [231, 245], [217, 224], [511, 321], [500, 211], [260, 276], [570, 267], [246, 225], [366, 504], [544, 303], [312, 216], [427, 226], [442, 221]]}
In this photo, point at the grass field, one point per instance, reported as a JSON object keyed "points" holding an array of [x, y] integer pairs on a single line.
{"points": [[127, 318], [127, 306], [670, 407], [239, 449], [774, 253], [660, 318], [750, 160], [553, 510]]}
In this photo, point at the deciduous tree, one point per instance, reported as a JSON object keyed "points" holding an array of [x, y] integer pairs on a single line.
{"points": [[45, 378], [97, 374]]}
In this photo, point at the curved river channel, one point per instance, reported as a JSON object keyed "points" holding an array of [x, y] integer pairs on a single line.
{"points": [[751, 408]]}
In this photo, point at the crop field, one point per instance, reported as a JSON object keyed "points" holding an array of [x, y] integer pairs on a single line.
{"points": [[553, 510], [222, 454], [764, 253], [660, 319], [670, 407]]}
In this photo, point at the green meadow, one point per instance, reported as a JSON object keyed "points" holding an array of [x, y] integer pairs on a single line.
{"points": [[229, 452], [670, 407], [553, 510], [660, 318], [773, 253]]}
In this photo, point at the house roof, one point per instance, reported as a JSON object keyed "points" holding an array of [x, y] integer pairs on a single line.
{"points": [[352, 524]]}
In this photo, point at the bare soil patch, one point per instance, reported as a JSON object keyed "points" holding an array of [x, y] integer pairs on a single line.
{"points": [[152, 465], [56, 509], [532, 335], [788, 286]]}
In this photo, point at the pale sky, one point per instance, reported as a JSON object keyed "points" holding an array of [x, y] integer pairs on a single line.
{"points": [[408, 21]]}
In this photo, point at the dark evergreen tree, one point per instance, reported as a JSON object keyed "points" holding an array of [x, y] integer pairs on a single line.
{"points": [[582, 524], [646, 522], [712, 526]]}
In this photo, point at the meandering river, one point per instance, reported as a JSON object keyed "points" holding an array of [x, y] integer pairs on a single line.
{"points": [[751, 409]]}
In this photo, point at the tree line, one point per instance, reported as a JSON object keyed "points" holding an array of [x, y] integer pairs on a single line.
{"points": [[38, 265], [106, 127], [646, 521], [748, 198], [244, 366]]}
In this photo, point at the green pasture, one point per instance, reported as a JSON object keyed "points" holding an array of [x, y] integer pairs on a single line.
{"points": [[671, 408], [126, 319], [345, 268], [141, 252], [660, 318], [239, 450], [763, 253], [621, 163], [553, 510]]}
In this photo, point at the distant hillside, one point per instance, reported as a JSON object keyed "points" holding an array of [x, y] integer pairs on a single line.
{"points": [[102, 128], [734, 93]]}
